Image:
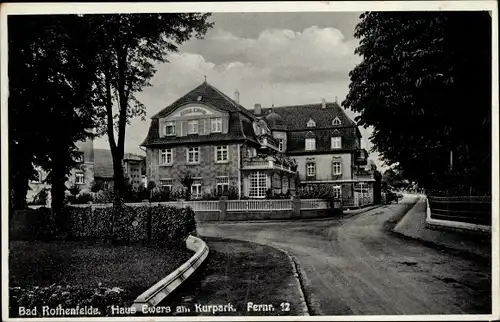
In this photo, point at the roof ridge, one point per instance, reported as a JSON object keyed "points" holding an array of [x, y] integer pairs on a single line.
{"points": [[230, 100], [177, 100]]}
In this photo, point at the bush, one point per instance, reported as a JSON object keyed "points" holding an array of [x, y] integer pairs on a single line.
{"points": [[83, 198], [104, 196], [316, 192], [39, 224], [171, 226], [66, 297], [231, 194]]}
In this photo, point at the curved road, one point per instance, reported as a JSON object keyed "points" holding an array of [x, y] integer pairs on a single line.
{"points": [[352, 266]]}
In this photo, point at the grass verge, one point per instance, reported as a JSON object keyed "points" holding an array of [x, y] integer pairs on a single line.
{"points": [[239, 272], [89, 265]]}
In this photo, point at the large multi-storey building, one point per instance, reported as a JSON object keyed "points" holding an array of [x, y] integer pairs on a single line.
{"points": [[220, 144], [326, 145], [265, 151]]}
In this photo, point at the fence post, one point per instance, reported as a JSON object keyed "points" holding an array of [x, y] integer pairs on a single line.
{"points": [[222, 208], [295, 207]]}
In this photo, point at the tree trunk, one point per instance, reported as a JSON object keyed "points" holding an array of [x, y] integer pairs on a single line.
{"points": [[58, 189]]}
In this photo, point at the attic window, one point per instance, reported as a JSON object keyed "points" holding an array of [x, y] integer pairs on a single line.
{"points": [[311, 123], [199, 98], [336, 121]]}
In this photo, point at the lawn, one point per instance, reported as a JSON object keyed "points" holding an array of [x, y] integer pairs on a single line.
{"points": [[240, 272], [88, 265]]}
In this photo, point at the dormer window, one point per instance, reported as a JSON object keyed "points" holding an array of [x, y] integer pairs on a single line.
{"points": [[193, 127], [170, 128], [311, 123], [336, 121]]}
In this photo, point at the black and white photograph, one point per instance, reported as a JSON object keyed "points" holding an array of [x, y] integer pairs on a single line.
{"points": [[250, 161]]}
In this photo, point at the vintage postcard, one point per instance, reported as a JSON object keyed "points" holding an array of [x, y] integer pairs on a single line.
{"points": [[250, 161]]}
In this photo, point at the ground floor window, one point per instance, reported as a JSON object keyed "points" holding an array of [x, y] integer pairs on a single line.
{"points": [[258, 184], [167, 184], [222, 185], [361, 187], [285, 184], [79, 177], [196, 188], [337, 192]]}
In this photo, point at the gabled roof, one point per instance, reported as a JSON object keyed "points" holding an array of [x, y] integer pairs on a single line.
{"points": [[210, 96], [240, 119], [297, 116]]}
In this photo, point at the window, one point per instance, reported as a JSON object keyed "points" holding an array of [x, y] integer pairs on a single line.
{"points": [[166, 156], [336, 121], [79, 177], [216, 125], [281, 147], [79, 157], [337, 168], [193, 155], [167, 184], [285, 184], [251, 152], [311, 123], [258, 184], [336, 142], [361, 187], [222, 185], [193, 127], [196, 188], [310, 169], [221, 153], [310, 144], [170, 128], [337, 192]]}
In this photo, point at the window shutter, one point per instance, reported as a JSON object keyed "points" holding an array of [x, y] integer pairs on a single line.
{"points": [[225, 124], [178, 128]]}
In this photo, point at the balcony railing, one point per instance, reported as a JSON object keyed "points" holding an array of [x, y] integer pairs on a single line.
{"points": [[364, 176], [268, 164]]}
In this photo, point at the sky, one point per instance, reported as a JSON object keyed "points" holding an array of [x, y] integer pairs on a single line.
{"points": [[270, 58]]}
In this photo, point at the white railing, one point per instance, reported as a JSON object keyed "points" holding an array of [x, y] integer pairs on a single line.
{"points": [[256, 205], [264, 164], [313, 204]]}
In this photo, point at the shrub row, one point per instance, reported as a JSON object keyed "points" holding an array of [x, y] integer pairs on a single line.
{"points": [[164, 225]]}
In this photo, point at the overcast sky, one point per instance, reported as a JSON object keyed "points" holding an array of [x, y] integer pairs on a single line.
{"points": [[270, 58]]}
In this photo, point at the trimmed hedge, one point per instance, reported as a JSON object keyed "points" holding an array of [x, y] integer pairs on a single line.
{"points": [[163, 225]]}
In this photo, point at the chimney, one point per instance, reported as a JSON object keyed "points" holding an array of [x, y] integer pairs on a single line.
{"points": [[237, 96], [257, 109], [323, 103]]}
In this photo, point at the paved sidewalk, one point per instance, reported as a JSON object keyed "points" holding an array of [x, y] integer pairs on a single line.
{"points": [[413, 225]]}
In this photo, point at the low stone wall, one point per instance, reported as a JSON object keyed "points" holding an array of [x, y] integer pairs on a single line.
{"points": [[202, 216]]}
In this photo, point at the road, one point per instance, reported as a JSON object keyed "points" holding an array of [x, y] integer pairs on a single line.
{"points": [[353, 266]]}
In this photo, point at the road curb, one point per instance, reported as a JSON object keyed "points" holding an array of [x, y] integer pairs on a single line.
{"points": [[155, 294], [298, 276], [431, 243]]}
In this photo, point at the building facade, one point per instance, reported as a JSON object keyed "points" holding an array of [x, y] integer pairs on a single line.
{"points": [[82, 175], [93, 165], [325, 144], [219, 144]]}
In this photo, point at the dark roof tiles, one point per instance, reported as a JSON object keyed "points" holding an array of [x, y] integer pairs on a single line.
{"points": [[297, 116]]}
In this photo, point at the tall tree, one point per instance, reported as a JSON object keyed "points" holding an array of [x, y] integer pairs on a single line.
{"points": [[127, 47], [424, 85], [50, 101]]}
